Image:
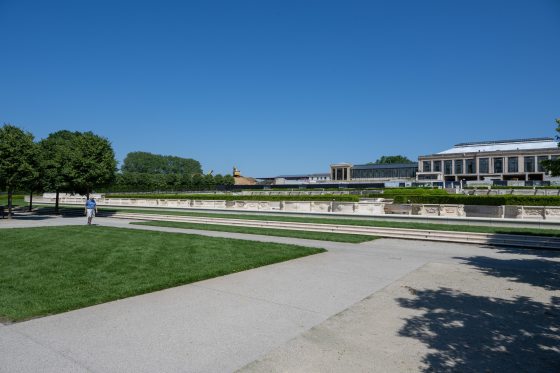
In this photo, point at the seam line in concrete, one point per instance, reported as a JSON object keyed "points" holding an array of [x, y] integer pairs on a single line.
{"points": [[55, 351], [259, 299]]}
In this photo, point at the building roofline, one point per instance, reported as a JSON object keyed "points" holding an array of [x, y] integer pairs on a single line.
{"points": [[513, 141]]}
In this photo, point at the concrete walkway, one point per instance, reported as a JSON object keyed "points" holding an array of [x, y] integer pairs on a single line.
{"points": [[220, 324]]}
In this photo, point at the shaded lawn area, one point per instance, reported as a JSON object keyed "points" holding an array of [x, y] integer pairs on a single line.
{"points": [[352, 221], [322, 236], [55, 269], [17, 200]]}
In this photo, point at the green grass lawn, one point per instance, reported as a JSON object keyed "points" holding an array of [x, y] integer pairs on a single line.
{"points": [[55, 269], [323, 236], [17, 200]]}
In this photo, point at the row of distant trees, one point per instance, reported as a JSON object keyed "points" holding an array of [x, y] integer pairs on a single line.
{"points": [[143, 182], [143, 171], [65, 161]]}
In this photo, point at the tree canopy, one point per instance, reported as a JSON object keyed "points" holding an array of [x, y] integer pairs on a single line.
{"points": [[77, 162], [92, 163], [392, 159], [148, 163], [55, 152], [17, 154]]}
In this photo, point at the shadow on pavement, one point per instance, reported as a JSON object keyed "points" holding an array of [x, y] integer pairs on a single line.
{"points": [[544, 253], [473, 333], [468, 333], [536, 272]]}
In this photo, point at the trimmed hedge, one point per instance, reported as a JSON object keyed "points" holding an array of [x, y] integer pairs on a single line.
{"points": [[513, 187], [229, 197], [481, 200], [408, 192]]}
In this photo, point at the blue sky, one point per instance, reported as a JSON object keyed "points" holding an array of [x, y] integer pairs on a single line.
{"points": [[283, 86]]}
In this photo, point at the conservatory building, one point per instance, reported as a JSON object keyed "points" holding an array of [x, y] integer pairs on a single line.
{"points": [[490, 160]]}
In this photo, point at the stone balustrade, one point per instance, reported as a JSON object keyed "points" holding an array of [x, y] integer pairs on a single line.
{"points": [[334, 207]]}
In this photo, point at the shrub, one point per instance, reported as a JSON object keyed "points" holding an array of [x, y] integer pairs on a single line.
{"points": [[480, 200], [390, 192]]}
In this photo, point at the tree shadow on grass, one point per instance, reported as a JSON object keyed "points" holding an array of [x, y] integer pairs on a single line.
{"points": [[536, 272], [469, 333]]}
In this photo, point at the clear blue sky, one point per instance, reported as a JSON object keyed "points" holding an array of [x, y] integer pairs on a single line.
{"points": [[282, 86]]}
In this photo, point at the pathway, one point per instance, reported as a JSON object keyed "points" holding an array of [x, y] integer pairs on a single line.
{"points": [[220, 324]]}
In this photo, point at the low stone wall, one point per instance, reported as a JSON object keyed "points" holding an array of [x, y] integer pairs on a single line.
{"points": [[359, 208], [350, 208], [532, 212]]}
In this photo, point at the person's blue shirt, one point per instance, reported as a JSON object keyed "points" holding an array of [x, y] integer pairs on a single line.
{"points": [[90, 204]]}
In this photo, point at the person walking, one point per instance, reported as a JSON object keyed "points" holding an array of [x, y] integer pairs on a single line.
{"points": [[91, 209]]}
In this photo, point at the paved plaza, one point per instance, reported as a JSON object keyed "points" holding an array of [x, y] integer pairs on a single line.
{"points": [[384, 305]]}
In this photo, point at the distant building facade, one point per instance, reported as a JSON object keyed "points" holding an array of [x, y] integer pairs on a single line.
{"points": [[490, 160], [373, 172]]}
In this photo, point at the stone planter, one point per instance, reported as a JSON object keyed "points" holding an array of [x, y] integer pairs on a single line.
{"points": [[451, 210], [343, 207], [293, 206], [479, 211], [320, 206], [392, 209], [552, 213], [370, 208]]}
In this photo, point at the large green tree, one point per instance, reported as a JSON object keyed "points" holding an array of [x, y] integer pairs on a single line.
{"points": [[17, 151], [554, 165], [76, 162], [92, 163], [392, 159]]}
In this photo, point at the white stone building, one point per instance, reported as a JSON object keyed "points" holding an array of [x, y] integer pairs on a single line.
{"points": [[490, 160]]}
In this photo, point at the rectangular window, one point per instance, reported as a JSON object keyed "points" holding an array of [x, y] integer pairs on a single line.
{"points": [[458, 166], [427, 166], [539, 164], [471, 166], [513, 164], [437, 166], [529, 163], [498, 165], [483, 165], [448, 167]]}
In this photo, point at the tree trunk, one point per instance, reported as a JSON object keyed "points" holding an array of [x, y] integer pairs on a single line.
{"points": [[9, 203], [56, 203], [30, 201]]}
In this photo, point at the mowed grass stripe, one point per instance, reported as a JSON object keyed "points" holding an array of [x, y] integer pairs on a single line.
{"points": [[322, 236], [354, 221], [55, 269]]}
